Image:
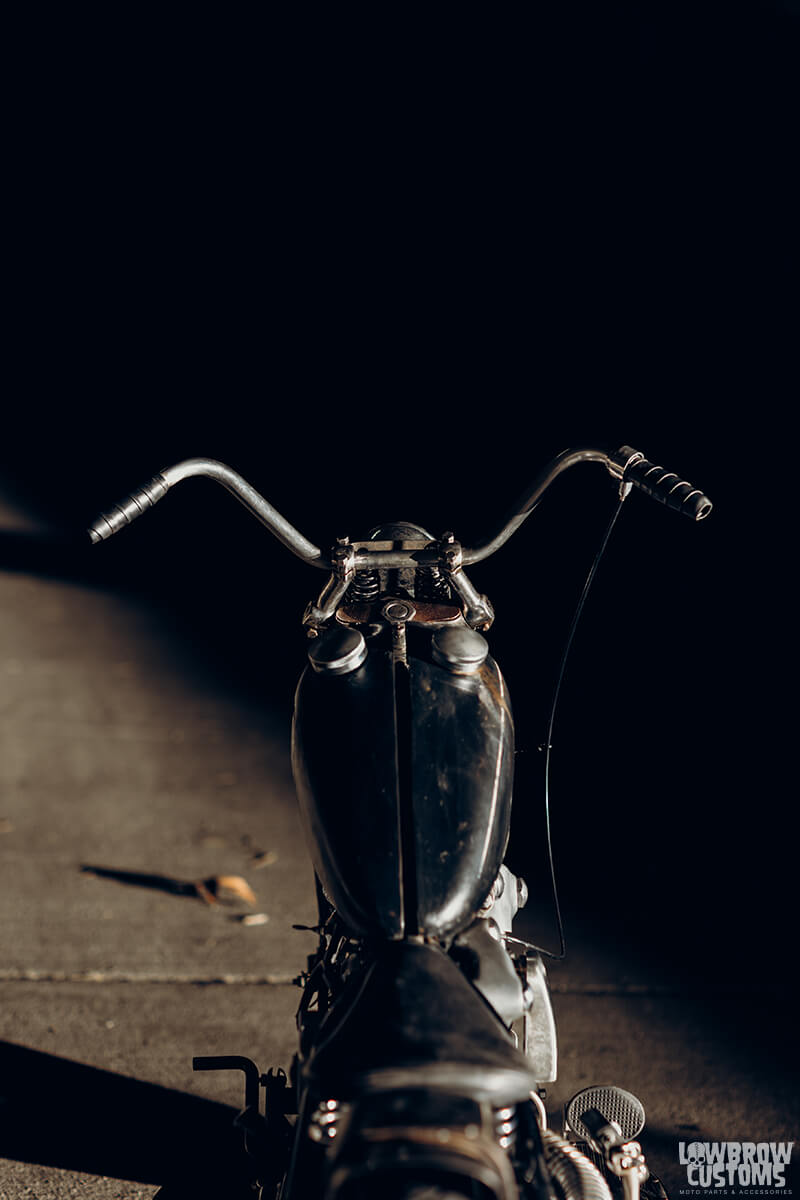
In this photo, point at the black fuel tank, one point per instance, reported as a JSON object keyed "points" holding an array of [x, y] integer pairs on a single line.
{"points": [[404, 775], [344, 758], [462, 756]]}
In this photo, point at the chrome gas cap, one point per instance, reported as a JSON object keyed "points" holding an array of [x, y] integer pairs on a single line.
{"points": [[460, 650], [338, 651]]}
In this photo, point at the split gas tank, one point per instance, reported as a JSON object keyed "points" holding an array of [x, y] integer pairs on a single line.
{"points": [[404, 772]]}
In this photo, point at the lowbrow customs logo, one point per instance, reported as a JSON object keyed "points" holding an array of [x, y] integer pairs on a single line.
{"points": [[735, 1164]]}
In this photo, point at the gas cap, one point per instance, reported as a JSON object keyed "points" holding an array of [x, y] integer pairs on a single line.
{"points": [[460, 650], [337, 651]]}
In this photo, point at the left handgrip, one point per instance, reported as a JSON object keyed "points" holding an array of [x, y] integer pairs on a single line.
{"points": [[128, 509]]}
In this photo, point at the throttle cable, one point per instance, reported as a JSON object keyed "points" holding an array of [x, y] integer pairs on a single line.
{"points": [[548, 745]]}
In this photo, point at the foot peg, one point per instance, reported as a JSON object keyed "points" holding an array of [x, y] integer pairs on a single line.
{"points": [[616, 1105], [609, 1119]]}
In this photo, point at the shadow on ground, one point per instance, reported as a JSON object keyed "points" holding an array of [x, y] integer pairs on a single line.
{"points": [[50, 554], [63, 1114]]}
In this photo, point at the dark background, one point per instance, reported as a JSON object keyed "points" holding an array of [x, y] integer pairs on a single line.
{"points": [[387, 269]]}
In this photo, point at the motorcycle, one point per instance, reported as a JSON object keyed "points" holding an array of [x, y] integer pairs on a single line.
{"points": [[426, 1032]]}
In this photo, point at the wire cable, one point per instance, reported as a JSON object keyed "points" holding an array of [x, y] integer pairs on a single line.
{"points": [[548, 745]]}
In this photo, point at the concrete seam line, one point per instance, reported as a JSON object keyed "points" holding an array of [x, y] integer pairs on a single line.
{"points": [[114, 976]]}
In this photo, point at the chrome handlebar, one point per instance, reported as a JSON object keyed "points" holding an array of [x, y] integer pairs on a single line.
{"points": [[529, 499], [156, 488], [627, 466]]}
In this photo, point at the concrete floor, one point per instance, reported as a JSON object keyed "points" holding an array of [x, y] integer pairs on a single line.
{"points": [[113, 755]]}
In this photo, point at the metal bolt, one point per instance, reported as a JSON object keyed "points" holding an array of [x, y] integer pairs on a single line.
{"points": [[398, 611], [450, 551]]}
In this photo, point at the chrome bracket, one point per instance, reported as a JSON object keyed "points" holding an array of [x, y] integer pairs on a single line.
{"points": [[343, 558], [476, 609], [627, 1163], [618, 463], [398, 613]]}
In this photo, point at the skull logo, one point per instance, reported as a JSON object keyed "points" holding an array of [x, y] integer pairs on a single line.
{"points": [[696, 1153]]}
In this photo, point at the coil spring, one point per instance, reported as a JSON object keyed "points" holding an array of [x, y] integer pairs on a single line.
{"points": [[365, 588], [505, 1127], [574, 1177], [430, 584]]}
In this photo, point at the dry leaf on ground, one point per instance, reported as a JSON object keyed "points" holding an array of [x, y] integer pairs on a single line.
{"points": [[225, 887]]}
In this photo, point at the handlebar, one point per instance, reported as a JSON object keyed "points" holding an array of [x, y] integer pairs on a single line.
{"points": [[626, 465], [156, 488], [629, 467]]}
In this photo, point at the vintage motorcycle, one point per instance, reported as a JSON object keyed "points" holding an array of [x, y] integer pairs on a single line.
{"points": [[426, 1031]]}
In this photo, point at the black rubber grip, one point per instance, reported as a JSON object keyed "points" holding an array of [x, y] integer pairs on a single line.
{"points": [[128, 509], [663, 485]]}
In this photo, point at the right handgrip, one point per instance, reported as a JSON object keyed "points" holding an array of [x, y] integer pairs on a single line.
{"points": [[662, 485], [128, 509]]}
